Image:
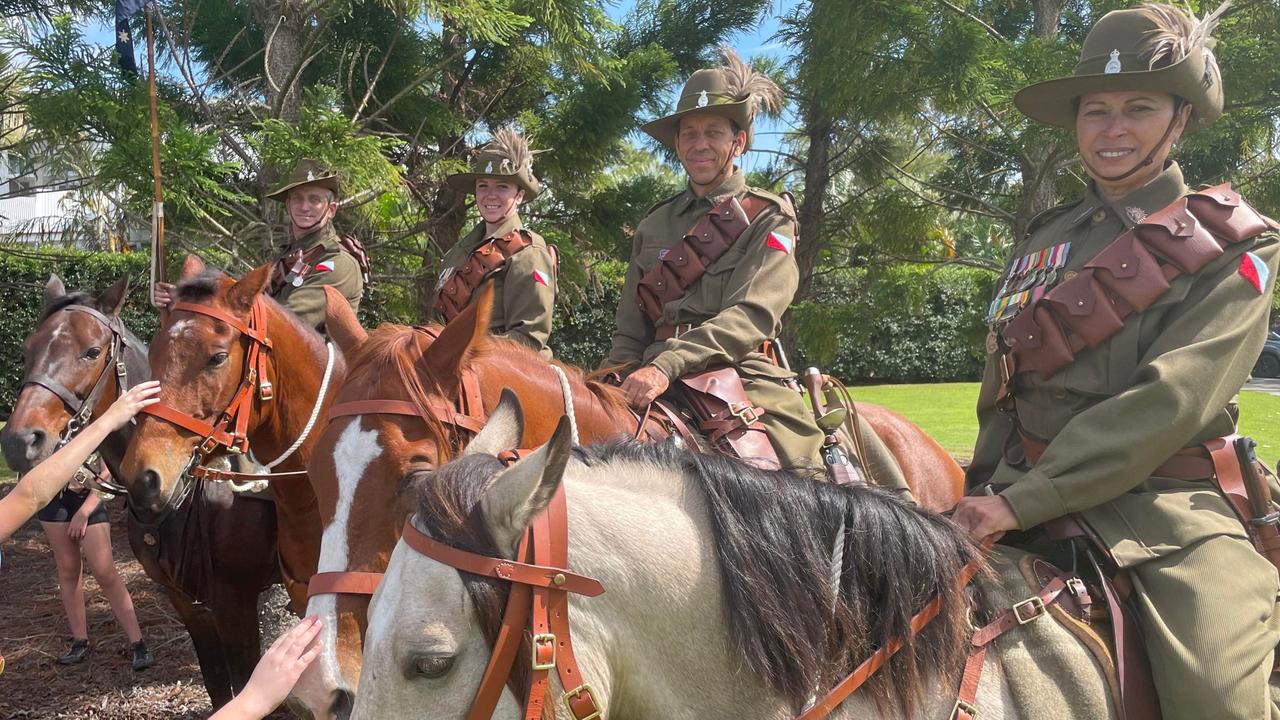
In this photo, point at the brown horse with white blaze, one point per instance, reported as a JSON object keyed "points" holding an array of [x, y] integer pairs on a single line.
{"points": [[362, 457], [204, 355]]}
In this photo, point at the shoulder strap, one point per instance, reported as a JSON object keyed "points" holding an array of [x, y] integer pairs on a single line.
{"points": [[1127, 277], [352, 245], [701, 246], [455, 293]]}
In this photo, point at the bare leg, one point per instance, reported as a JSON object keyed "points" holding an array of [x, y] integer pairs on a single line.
{"points": [[97, 552], [66, 554]]}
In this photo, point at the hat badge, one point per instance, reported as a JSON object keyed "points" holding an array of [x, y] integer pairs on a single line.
{"points": [[311, 176], [1113, 65], [702, 99], [489, 168]]}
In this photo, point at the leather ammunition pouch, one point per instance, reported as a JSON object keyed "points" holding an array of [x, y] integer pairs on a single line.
{"points": [[455, 294], [688, 260], [1128, 276], [727, 419]]}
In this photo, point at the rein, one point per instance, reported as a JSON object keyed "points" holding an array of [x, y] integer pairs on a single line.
{"points": [[114, 367], [230, 431]]}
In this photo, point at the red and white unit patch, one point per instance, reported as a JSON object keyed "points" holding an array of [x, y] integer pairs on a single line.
{"points": [[1255, 270], [541, 278], [324, 266], [778, 241]]}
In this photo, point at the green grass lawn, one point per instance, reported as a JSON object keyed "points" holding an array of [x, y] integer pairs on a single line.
{"points": [[945, 411]]}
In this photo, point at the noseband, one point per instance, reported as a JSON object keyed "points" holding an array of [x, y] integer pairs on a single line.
{"points": [[114, 367]]}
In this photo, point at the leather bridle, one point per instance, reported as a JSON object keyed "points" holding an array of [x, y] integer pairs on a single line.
{"points": [[465, 416], [230, 430], [114, 368]]}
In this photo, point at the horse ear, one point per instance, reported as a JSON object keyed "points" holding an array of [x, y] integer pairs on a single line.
{"points": [[191, 267], [53, 289], [445, 356], [340, 321], [111, 301], [241, 295], [525, 489], [503, 430]]}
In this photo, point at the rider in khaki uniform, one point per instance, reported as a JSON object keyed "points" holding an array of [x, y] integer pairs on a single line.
{"points": [[1095, 431], [518, 260], [311, 256], [727, 314]]}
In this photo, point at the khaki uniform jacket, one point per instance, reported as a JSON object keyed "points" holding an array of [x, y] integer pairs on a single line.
{"points": [[524, 288], [307, 300], [1167, 380], [734, 307]]}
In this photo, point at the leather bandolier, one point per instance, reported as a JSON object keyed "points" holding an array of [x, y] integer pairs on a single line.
{"points": [[294, 267], [715, 396], [455, 293], [1126, 277]]}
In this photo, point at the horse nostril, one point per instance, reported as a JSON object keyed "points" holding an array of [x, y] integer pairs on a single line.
{"points": [[343, 702], [150, 480], [36, 440]]}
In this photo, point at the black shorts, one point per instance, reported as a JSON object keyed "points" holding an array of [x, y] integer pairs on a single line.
{"points": [[66, 504]]}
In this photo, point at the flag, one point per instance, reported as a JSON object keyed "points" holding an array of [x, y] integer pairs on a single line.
{"points": [[324, 266], [541, 278], [126, 9]]}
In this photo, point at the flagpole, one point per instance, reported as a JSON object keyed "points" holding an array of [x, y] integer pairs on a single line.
{"points": [[158, 273]]}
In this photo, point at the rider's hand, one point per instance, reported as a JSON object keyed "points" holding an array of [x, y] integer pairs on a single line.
{"points": [[128, 404], [644, 386], [984, 515], [163, 295]]}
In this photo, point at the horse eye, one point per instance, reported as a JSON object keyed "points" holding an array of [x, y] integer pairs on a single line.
{"points": [[431, 666], [93, 353], [217, 359]]}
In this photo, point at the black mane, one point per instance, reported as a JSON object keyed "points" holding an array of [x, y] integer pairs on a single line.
{"points": [[775, 532]]}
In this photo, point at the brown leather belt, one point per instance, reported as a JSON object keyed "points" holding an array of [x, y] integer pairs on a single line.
{"points": [[666, 332], [1192, 463]]}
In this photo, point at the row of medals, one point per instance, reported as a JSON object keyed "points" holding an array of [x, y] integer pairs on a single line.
{"points": [[1026, 281]]}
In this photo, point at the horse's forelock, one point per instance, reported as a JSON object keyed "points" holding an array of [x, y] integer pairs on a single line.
{"points": [[76, 298], [202, 286]]}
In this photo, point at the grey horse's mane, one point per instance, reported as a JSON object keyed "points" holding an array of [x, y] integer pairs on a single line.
{"points": [[774, 534]]}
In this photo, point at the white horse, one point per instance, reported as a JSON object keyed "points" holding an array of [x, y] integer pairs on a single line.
{"points": [[723, 596]]}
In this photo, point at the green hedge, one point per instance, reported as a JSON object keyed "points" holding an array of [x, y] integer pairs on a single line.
{"points": [[23, 275], [904, 323]]}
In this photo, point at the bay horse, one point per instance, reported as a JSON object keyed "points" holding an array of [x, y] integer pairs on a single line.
{"points": [[697, 586], [361, 457], [239, 373], [79, 359]]}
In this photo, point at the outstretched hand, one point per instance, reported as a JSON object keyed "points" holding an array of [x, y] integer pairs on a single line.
{"points": [[128, 404], [276, 673]]}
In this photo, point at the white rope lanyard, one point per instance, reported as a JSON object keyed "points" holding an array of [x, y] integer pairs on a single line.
{"points": [[568, 401]]}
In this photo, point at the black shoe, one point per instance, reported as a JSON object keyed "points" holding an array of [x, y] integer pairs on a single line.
{"points": [[142, 658], [76, 655]]}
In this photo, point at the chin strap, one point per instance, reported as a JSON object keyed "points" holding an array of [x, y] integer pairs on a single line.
{"points": [[1145, 161]]}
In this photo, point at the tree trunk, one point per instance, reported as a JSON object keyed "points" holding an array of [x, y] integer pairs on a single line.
{"points": [[283, 33], [812, 211], [1038, 179]]}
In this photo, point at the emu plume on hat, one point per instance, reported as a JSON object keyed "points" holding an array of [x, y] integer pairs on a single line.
{"points": [[506, 157], [1153, 47], [736, 90]]}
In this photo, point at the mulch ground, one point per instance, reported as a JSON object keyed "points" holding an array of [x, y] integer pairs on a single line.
{"points": [[33, 631]]}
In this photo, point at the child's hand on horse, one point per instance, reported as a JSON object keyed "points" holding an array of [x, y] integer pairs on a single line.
{"points": [[130, 403]]}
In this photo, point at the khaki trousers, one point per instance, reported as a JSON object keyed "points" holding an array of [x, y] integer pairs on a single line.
{"points": [[1209, 621]]}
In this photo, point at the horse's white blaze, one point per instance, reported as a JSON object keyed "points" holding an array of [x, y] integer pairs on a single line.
{"points": [[352, 455], [180, 327]]}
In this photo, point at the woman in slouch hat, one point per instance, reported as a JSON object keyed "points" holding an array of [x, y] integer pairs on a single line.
{"points": [[1121, 331]]}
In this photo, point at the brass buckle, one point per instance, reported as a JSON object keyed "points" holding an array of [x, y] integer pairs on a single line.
{"points": [[577, 692], [539, 641], [744, 412], [265, 391], [208, 446], [682, 328], [1037, 609], [962, 706]]}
